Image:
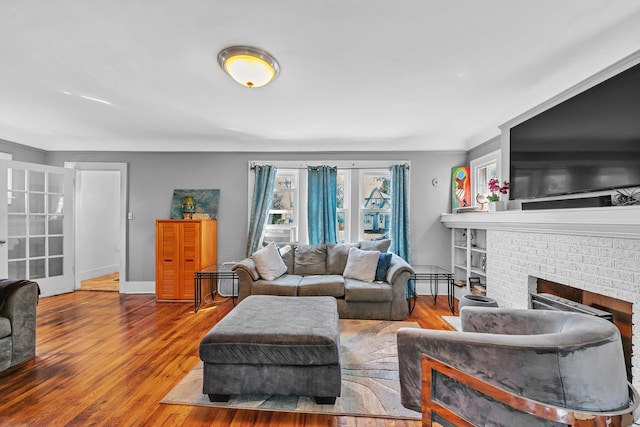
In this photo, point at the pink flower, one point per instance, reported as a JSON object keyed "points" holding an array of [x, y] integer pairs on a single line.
{"points": [[495, 188]]}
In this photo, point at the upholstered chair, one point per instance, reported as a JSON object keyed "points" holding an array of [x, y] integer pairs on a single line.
{"points": [[18, 300], [562, 359]]}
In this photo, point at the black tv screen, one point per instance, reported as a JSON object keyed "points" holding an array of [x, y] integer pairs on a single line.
{"points": [[588, 143]]}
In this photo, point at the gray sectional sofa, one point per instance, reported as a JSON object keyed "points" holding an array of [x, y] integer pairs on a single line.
{"points": [[317, 270]]}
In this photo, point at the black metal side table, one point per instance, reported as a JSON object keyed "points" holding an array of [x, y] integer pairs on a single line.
{"points": [[212, 274], [434, 275]]}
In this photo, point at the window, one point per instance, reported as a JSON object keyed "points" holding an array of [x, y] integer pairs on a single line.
{"points": [[282, 221], [375, 205], [363, 201], [343, 196], [482, 170]]}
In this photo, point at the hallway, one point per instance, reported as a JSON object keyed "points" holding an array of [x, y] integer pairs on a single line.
{"points": [[106, 283]]}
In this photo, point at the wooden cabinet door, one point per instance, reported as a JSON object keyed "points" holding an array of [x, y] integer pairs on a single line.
{"points": [[167, 260], [190, 256]]}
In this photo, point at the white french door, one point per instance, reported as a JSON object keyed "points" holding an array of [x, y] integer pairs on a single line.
{"points": [[36, 225]]}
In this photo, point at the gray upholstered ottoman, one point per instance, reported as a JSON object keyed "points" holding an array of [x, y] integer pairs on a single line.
{"points": [[274, 345]]}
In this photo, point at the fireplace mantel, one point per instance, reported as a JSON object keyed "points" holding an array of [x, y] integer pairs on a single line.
{"points": [[616, 221]]}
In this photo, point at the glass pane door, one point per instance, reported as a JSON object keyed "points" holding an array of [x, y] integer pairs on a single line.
{"points": [[37, 226]]}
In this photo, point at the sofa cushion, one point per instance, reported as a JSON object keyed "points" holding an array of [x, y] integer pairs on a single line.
{"points": [[286, 285], [361, 265], [359, 291], [375, 245], [330, 285], [337, 255], [5, 326], [269, 262], [384, 261], [287, 255], [310, 259]]}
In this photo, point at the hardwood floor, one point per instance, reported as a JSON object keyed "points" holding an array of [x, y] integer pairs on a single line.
{"points": [[104, 358], [108, 283]]}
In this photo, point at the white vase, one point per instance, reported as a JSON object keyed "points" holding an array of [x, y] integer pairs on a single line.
{"points": [[497, 206]]}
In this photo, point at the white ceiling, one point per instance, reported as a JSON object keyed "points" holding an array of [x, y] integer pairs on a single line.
{"points": [[356, 75]]}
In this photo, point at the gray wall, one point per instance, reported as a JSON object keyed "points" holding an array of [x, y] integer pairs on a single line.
{"points": [[23, 153], [154, 176], [485, 148]]}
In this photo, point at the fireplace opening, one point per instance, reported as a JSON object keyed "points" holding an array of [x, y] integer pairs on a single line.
{"points": [[612, 309]]}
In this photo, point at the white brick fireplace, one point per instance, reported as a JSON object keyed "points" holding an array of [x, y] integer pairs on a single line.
{"points": [[593, 249]]}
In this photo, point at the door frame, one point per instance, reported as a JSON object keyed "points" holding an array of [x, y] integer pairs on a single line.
{"points": [[122, 211]]}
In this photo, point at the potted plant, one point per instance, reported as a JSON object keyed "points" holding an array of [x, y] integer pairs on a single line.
{"points": [[495, 190]]}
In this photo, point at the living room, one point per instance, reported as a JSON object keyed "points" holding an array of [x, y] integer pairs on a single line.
{"points": [[218, 155]]}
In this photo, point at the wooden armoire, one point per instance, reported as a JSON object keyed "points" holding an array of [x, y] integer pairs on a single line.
{"points": [[182, 248]]}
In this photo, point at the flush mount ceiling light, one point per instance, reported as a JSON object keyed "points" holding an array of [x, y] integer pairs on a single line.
{"points": [[249, 66]]}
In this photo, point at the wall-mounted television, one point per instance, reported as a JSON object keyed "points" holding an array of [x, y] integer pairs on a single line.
{"points": [[588, 143]]}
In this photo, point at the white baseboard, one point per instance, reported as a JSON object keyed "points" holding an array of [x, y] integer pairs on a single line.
{"points": [[138, 287]]}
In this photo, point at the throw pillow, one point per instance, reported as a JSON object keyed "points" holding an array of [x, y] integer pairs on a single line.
{"points": [[269, 262], [337, 255], [283, 250], [384, 261], [361, 265]]}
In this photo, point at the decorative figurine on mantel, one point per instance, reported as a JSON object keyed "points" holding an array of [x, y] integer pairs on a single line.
{"points": [[188, 207]]}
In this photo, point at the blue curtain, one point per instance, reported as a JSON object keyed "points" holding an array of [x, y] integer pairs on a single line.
{"points": [[321, 205], [400, 212], [265, 177]]}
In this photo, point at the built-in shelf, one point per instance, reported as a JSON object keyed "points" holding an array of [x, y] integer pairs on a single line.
{"points": [[468, 251], [478, 272]]}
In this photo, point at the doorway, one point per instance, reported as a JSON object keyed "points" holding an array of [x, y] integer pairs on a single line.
{"points": [[100, 224]]}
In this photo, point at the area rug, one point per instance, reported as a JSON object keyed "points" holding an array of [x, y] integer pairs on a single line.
{"points": [[453, 321], [370, 385]]}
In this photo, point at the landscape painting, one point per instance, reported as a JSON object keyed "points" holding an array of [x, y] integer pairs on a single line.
{"points": [[207, 201]]}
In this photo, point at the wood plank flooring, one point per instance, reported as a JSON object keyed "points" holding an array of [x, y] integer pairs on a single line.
{"points": [[108, 283], [104, 358]]}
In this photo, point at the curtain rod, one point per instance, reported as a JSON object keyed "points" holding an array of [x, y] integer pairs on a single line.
{"points": [[307, 165]]}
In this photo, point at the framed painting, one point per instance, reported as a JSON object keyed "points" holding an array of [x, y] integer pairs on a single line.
{"points": [[460, 188], [206, 201]]}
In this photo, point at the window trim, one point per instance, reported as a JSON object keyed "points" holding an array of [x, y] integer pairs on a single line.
{"points": [[480, 162]]}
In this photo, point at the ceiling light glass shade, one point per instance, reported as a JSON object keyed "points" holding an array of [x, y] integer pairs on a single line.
{"points": [[249, 66]]}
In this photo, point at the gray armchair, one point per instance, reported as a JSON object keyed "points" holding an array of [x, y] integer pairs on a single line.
{"points": [[561, 359], [18, 300]]}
